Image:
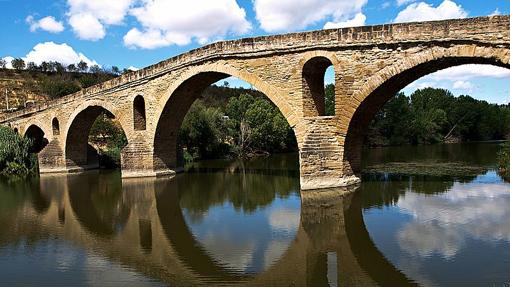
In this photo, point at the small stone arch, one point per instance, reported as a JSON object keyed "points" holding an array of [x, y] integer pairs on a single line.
{"points": [[37, 135], [139, 114], [312, 83], [55, 125], [79, 155], [383, 85]]}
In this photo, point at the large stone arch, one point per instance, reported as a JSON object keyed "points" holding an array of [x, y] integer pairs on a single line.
{"points": [[78, 154], [361, 108], [183, 93]]}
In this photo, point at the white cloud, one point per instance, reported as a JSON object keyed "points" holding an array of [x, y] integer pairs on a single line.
{"points": [[358, 20], [180, 22], [48, 24], [61, 53], [8, 61], [89, 17], [287, 15], [463, 85], [468, 72], [87, 27], [426, 12], [131, 68], [496, 12], [404, 2]]}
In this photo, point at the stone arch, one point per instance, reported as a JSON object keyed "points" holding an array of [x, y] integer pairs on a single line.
{"points": [[183, 93], [139, 114], [37, 135], [79, 155], [55, 125], [313, 70], [382, 86]]}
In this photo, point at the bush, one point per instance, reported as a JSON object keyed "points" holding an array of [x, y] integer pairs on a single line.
{"points": [[15, 156], [504, 162]]}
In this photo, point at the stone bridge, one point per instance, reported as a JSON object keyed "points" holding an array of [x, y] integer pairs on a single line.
{"points": [[371, 64]]}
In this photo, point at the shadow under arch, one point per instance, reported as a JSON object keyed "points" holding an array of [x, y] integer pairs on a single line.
{"points": [[97, 202], [390, 81], [37, 135], [184, 93], [78, 153]]}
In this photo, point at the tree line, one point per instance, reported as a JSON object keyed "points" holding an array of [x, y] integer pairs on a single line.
{"points": [[432, 115], [19, 64]]}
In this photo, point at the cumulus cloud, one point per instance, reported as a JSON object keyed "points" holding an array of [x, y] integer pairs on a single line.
{"points": [[358, 20], [87, 27], [48, 24], [463, 85], [89, 17], [180, 22], [426, 12], [62, 53], [287, 15]]}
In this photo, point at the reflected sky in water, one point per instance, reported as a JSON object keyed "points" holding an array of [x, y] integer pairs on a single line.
{"points": [[447, 233], [247, 223]]}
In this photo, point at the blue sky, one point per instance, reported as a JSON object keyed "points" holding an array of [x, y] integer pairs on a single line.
{"points": [[138, 33]]}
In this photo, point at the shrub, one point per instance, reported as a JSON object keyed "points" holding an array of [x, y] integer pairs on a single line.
{"points": [[504, 161], [15, 156]]}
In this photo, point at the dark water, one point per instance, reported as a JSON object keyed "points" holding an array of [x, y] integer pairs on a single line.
{"points": [[247, 223]]}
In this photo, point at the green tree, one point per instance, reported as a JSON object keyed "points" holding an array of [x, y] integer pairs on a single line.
{"points": [[82, 66], [18, 64], [330, 99]]}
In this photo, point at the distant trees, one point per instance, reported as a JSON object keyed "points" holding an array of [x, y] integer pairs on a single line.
{"points": [[436, 115]]}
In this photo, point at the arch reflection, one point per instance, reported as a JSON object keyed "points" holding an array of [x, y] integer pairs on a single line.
{"points": [[145, 225]]}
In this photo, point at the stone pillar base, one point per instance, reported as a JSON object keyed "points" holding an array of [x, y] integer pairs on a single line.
{"points": [[150, 173], [311, 182]]}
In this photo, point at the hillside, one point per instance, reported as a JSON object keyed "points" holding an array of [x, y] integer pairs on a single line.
{"points": [[19, 89]]}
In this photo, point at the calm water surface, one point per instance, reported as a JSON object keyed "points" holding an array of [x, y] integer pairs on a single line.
{"points": [[247, 223]]}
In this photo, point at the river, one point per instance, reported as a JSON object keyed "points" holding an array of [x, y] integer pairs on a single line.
{"points": [[247, 223]]}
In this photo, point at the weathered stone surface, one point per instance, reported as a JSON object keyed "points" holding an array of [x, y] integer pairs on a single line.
{"points": [[371, 65]]}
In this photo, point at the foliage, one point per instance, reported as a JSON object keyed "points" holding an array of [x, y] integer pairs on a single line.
{"points": [[18, 64], [229, 121], [504, 161], [329, 100], [15, 157], [436, 115], [109, 139]]}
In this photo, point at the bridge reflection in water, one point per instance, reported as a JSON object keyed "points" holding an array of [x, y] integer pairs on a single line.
{"points": [[143, 225]]}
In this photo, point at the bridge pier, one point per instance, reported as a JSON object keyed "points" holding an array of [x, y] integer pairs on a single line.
{"points": [[51, 158], [321, 155]]}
